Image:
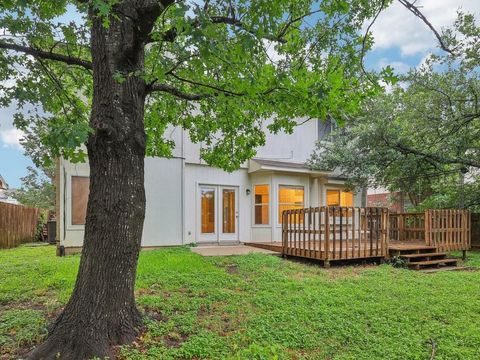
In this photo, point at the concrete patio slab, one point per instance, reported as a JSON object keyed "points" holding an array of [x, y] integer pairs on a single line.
{"points": [[229, 250]]}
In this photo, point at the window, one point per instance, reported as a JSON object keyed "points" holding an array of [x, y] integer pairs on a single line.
{"points": [[80, 191], [325, 127], [262, 201], [289, 198], [208, 210], [339, 198]]}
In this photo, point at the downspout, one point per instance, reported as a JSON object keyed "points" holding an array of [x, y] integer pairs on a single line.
{"points": [[364, 196], [183, 187]]}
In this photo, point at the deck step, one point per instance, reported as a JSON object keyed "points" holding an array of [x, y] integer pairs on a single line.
{"points": [[444, 268], [422, 255], [439, 262], [410, 247]]}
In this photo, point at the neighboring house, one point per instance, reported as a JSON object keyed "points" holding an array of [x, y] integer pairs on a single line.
{"points": [[191, 202], [3, 184], [394, 201], [5, 192]]}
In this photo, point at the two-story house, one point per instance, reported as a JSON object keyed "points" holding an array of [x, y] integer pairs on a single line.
{"points": [[189, 201]]}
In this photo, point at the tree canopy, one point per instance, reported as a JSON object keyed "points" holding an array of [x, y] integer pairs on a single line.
{"points": [[219, 69]]}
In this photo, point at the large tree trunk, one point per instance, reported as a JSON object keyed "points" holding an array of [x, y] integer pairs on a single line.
{"points": [[102, 311]]}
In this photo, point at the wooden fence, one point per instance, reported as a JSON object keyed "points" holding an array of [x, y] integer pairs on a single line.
{"points": [[17, 224], [335, 233], [447, 229]]}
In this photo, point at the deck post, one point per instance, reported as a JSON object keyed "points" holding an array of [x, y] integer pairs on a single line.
{"points": [[464, 255], [327, 234], [427, 228], [284, 232]]}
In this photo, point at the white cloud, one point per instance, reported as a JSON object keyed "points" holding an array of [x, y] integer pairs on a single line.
{"points": [[9, 135], [398, 66], [398, 27], [11, 138]]}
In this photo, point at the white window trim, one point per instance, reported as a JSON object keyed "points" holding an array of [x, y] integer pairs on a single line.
{"points": [[340, 189], [333, 127], [270, 203], [68, 202], [279, 224]]}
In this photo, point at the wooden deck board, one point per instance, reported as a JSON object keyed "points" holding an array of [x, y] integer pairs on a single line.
{"points": [[310, 249]]}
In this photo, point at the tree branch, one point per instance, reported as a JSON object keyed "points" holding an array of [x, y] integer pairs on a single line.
{"points": [[227, 92], [171, 34], [176, 92], [294, 20], [48, 55], [241, 25], [154, 87], [416, 11], [437, 158], [364, 43]]}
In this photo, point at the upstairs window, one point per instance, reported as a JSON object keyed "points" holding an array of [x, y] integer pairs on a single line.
{"points": [[290, 198], [325, 129], [262, 201]]}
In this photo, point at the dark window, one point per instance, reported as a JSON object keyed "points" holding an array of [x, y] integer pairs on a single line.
{"points": [[325, 127], [80, 191]]}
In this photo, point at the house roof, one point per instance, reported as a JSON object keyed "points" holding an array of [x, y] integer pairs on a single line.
{"points": [[3, 183], [283, 166]]}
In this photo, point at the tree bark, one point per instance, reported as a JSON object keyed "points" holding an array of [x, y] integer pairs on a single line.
{"points": [[102, 311]]}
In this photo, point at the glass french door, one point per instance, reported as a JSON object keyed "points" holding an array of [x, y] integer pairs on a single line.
{"points": [[218, 213]]}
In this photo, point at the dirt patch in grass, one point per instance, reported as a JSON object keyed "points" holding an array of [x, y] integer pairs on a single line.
{"points": [[154, 314], [175, 340], [232, 269]]}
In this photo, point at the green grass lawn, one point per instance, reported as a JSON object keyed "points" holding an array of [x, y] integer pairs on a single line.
{"points": [[258, 307]]}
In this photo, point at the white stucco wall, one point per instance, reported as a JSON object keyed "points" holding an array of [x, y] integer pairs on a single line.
{"points": [[296, 147], [164, 193]]}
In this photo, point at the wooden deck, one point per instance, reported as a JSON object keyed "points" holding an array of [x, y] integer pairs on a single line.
{"points": [[349, 233], [317, 250], [335, 233], [353, 250], [416, 253]]}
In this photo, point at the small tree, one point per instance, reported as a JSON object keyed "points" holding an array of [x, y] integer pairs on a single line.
{"points": [[37, 190]]}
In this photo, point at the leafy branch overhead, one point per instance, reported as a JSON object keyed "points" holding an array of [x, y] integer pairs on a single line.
{"points": [[223, 70]]}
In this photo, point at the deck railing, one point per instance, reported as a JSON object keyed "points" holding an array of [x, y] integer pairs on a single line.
{"points": [[335, 233], [447, 229], [407, 226]]}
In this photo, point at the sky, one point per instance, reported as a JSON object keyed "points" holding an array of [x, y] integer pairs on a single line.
{"points": [[401, 41]]}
